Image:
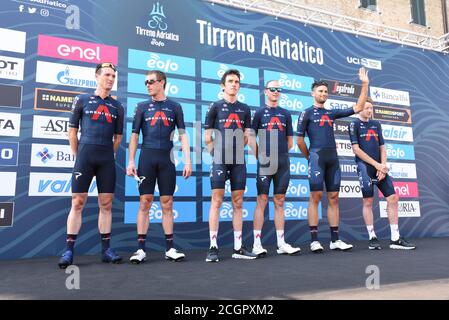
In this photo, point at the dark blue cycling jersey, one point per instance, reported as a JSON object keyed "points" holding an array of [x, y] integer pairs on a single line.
{"points": [[100, 119], [318, 123], [224, 116], [273, 119], [368, 135], [157, 120]]}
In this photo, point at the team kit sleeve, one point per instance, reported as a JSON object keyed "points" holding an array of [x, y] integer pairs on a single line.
{"points": [[289, 124], [248, 118], [255, 123], [120, 119], [381, 136], [353, 132], [179, 114], [211, 115], [342, 113], [76, 113], [138, 120], [302, 123]]}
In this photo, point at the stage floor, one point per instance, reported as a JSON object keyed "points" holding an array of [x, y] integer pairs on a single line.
{"points": [[419, 274]]}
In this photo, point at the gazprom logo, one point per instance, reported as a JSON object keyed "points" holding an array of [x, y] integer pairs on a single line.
{"points": [[63, 77], [168, 65]]}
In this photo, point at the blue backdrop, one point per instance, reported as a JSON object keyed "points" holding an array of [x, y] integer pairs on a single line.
{"points": [[47, 55]]}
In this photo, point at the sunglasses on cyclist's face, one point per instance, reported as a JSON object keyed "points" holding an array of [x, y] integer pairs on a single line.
{"points": [[152, 81], [106, 65], [273, 89]]}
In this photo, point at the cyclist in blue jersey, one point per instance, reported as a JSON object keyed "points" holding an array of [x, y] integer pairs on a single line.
{"points": [[230, 122], [157, 119], [273, 125], [317, 123], [371, 158], [101, 120]]}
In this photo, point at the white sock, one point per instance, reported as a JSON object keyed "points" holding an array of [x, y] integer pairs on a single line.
{"points": [[371, 232], [394, 232], [213, 238], [257, 237], [280, 237], [237, 240]]}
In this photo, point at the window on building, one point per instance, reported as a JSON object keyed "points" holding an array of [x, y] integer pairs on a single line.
{"points": [[368, 4], [418, 12]]}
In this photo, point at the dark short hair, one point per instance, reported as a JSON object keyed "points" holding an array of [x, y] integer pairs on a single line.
{"points": [[227, 73], [104, 65], [319, 83], [159, 75]]}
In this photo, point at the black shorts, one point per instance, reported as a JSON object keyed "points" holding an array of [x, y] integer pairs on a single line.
{"points": [[156, 165], [236, 173], [280, 179], [324, 167], [368, 178], [94, 160]]}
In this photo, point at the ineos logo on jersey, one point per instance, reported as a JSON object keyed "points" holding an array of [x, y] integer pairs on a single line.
{"points": [[102, 110], [325, 119], [232, 118], [275, 121], [159, 115], [370, 134]]}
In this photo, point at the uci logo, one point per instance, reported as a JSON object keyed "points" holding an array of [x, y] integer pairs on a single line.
{"points": [[289, 84], [155, 62]]}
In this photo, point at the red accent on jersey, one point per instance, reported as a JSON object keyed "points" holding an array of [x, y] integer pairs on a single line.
{"points": [[233, 116], [102, 109], [325, 118], [159, 115], [371, 133], [273, 121]]}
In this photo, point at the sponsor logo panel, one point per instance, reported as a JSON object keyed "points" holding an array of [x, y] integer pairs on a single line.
{"points": [[9, 124], [390, 96], [52, 155], [67, 75], [402, 170], [350, 189], [290, 81], [294, 210], [50, 127], [392, 114], [53, 184], [345, 89], [12, 40], [405, 209], [6, 214], [8, 185], [226, 211], [348, 168], [11, 68], [54, 100], [367, 63], [404, 189], [215, 70], [400, 151], [344, 148], [10, 96], [144, 60], [69, 49], [182, 212], [9, 153], [397, 133]]}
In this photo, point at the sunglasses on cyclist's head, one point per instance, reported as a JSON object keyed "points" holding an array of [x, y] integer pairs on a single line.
{"points": [[152, 81], [273, 89], [106, 65]]}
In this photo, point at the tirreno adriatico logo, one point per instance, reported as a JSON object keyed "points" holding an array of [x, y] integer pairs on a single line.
{"points": [[156, 28], [157, 18]]}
